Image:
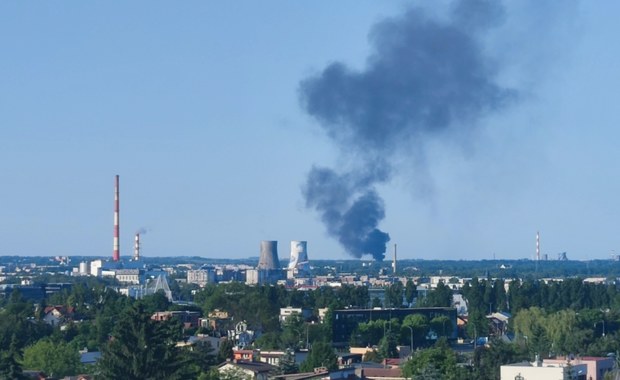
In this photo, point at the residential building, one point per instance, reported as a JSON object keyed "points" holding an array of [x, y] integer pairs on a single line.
{"points": [[255, 370], [189, 319], [544, 371], [202, 276], [57, 315], [597, 367], [286, 312]]}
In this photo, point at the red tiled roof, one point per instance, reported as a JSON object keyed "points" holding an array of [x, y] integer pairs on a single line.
{"points": [[383, 372], [594, 358]]}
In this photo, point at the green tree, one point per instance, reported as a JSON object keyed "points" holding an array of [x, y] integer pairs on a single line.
{"points": [[437, 362], [441, 296], [10, 367], [410, 291], [321, 355], [142, 349], [562, 330], [155, 302], [388, 345], [489, 359], [368, 333], [16, 323], [269, 341], [394, 295], [376, 302], [441, 325], [293, 332], [477, 325], [287, 363], [233, 373], [371, 356], [226, 350], [419, 324], [55, 359], [531, 325], [203, 356]]}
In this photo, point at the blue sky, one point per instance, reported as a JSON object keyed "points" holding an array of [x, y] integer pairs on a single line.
{"points": [[196, 106]]}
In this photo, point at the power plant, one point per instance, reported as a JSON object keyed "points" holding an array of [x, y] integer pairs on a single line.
{"points": [[116, 254], [268, 255]]}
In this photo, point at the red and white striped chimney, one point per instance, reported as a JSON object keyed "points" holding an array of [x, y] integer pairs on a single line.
{"points": [[116, 255]]}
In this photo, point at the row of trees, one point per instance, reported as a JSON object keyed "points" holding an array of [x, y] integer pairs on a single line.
{"points": [[587, 332], [572, 293], [412, 331], [442, 362]]}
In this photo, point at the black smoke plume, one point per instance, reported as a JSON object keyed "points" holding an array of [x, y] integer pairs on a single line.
{"points": [[350, 209], [424, 77]]}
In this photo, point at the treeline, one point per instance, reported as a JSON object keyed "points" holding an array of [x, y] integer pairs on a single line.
{"points": [[474, 268], [484, 296]]}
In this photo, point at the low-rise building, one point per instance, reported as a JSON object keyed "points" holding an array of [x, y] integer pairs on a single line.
{"points": [[254, 370], [286, 312], [57, 315], [597, 367], [129, 276], [543, 371], [189, 319]]}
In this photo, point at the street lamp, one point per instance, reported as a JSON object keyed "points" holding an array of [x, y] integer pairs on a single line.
{"points": [[411, 328]]}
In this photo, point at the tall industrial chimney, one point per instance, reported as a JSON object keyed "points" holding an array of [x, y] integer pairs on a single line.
{"points": [[268, 255], [394, 263], [537, 246], [136, 248], [116, 255]]}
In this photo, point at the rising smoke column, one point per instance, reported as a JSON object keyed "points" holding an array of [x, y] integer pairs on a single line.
{"points": [[424, 77], [350, 209]]}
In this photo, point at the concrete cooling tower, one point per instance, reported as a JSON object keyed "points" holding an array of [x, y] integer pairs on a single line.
{"points": [[299, 254], [299, 258], [268, 255]]}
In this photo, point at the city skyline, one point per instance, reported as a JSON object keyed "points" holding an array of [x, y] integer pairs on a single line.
{"points": [[200, 109]]}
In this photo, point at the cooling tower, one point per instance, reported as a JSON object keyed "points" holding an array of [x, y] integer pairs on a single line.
{"points": [[268, 255], [299, 254]]}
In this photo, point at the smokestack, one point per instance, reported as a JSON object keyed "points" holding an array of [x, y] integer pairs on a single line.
{"points": [[268, 255], [136, 248], [116, 255], [537, 246], [394, 263]]}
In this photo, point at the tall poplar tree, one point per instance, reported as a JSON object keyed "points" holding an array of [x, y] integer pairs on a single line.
{"points": [[141, 348]]}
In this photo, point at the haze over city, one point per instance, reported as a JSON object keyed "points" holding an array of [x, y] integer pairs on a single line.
{"points": [[220, 119]]}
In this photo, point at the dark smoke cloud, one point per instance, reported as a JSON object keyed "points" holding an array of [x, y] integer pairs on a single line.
{"points": [[350, 209], [424, 77]]}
